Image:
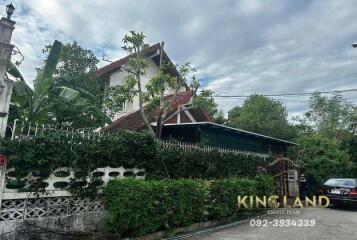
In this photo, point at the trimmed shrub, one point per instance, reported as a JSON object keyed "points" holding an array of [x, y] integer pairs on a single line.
{"points": [[224, 194], [137, 207], [132, 205], [265, 185]]}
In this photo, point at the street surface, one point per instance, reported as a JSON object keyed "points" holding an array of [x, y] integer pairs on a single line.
{"points": [[331, 223]]}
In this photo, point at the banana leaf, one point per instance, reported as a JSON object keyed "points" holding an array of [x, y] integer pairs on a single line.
{"points": [[14, 71]]}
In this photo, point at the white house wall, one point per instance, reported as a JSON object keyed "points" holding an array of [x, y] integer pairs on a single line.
{"points": [[119, 78]]}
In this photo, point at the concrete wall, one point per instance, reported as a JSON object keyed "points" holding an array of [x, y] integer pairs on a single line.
{"points": [[56, 228]]}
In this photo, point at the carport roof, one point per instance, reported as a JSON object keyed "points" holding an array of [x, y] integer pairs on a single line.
{"points": [[219, 126]]}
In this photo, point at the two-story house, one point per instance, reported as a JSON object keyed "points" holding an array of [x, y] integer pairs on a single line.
{"points": [[193, 125], [113, 74]]}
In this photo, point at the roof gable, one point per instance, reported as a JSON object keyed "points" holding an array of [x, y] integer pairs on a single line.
{"points": [[135, 122], [151, 52]]}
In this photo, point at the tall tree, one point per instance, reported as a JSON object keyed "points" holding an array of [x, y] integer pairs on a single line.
{"points": [[332, 117], [219, 117], [32, 105], [327, 137], [43, 103], [151, 96], [76, 70], [74, 59], [263, 115], [206, 101], [321, 157]]}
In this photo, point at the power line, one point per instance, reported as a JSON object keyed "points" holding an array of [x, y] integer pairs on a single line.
{"points": [[292, 100], [287, 94]]}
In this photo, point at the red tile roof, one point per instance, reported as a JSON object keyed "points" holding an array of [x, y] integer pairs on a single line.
{"points": [[180, 99], [135, 122]]}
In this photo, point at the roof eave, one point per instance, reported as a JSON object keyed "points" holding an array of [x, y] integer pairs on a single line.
{"points": [[235, 129]]}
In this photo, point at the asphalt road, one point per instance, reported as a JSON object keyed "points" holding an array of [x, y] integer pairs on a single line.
{"points": [[331, 223]]}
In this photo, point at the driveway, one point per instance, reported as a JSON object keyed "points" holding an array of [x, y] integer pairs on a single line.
{"points": [[331, 223]]}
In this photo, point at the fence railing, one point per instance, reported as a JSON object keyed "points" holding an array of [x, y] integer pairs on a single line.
{"points": [[191, 146], [19, 130]]}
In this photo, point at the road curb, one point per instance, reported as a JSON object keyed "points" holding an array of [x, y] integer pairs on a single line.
{"points": [[213, 229]]}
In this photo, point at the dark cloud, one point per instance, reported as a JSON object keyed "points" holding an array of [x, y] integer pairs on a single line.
{"points": [[240, 47]]}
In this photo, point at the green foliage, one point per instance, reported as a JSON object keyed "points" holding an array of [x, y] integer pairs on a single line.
{"points": [[331, 117], [77, 101], [206, 101], [44, 154], [82, 108], [174, 203], [32, 105], [133, 203], [118, 95], [178, 163], [265, 186], [64, 91], [262, 115], [322, 158], [219, 117], [224, 194], [327, 137], [74, 59], [131, 207]]}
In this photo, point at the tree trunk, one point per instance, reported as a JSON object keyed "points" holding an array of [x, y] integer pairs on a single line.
{"points": [[142, 112], [161, 106]]}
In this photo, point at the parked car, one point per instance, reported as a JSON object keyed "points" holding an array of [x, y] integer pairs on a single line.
{"points": [[341, 191]]}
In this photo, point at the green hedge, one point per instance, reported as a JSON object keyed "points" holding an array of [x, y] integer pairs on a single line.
{"points": [[42, 155], [177, 163], [138, 207]]}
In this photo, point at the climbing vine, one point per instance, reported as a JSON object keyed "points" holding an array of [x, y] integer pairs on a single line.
{"points": [[37, 157]]}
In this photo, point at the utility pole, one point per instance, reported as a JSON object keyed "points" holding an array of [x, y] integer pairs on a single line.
{"points": [[6, 28]]}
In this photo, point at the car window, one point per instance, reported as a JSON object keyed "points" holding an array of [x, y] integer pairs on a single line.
{"points": [[341, 182]]}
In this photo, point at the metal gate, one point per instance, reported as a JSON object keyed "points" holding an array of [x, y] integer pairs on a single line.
{"points": [[285, 173]]}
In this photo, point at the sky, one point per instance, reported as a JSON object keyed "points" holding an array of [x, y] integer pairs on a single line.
{"points": [[239, 47]]}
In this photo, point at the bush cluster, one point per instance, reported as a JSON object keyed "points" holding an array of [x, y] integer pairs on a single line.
{"points": [[174, 203]]}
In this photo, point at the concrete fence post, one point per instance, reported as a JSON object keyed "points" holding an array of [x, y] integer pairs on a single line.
{"points": [[6, 29]]}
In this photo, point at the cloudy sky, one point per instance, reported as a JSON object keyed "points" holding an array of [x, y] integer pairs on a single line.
{"points": [[240, 47]]}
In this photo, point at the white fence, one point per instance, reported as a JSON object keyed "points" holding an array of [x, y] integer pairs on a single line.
{"points": [[57, 201], [21, 209], [56, 183], [190, 146]]}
